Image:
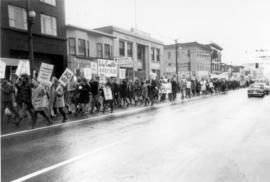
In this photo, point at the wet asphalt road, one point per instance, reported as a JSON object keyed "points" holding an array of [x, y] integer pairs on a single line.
{"points": [[224, 138]]}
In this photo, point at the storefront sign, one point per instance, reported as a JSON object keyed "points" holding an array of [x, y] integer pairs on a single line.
{"points": [[23, 68], [2, 69], [122, 73], [45, 72], [124, 61], [87, 73], [66, 77], [107, 68]]}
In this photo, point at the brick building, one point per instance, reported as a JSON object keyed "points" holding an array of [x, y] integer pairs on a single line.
{"points": [[49, 35]]}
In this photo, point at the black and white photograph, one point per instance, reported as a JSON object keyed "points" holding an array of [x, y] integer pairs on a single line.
{"points": [[135, 90]]}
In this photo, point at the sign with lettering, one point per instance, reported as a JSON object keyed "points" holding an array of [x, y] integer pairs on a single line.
{"points": [[2, 69], [66, 77], [107, 68], [45, 72], [122, 73], [23, 68], [124, 61], [166, 88], [87, 73], [94, 68], [107, 93]]}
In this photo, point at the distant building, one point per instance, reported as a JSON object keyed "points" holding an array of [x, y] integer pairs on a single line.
{"points": [[85, 46], [194, 59], [146, 53], [49, 35], [216, 64]]}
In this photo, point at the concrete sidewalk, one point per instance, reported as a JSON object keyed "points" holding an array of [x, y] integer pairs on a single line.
{"points": [[9, 129]]}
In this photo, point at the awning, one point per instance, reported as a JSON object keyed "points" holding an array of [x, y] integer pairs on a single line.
{"points": [[11, 61]]}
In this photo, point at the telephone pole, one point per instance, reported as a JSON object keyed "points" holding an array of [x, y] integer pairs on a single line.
{"points": [[176, 61]]}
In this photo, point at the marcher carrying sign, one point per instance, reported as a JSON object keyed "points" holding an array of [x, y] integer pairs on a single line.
{"points": [[107, 93], [122, 73], [66, 77]]}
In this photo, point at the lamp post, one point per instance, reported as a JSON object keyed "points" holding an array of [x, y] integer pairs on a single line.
{"points": [[31, 14]]}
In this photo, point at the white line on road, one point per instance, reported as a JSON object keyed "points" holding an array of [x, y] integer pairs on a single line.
{"points": [[29, 176]]}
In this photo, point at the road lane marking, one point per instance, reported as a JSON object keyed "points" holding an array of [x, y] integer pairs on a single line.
{"points": [[45, 170]]}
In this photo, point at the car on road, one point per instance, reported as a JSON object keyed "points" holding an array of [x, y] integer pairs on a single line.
{"points": [[256, 89]]}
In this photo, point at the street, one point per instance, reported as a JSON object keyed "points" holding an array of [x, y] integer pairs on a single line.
{"points": [[224, 138]]}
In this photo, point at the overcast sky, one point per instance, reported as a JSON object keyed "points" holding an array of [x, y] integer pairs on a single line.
{"points": [[239, 26]]}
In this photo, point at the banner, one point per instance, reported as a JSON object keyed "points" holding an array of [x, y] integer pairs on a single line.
{"points": [[166, 88], [2, 69], [107, 93], [23, 68], [87, 73], [45, 73], [66, 77], [124, 61], [107, 68], [122, 73], [94, 68]]}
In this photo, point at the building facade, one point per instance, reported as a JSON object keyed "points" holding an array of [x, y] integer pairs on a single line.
{"points": [[193, 60], [48, 33], [140, 54], [85, 46], [216, 62]]}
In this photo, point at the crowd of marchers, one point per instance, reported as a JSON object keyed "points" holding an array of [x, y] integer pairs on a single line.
{"points": [[81, 96]]}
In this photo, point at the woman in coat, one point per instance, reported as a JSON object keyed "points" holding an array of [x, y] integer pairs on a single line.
{"points": [[59, 101]]}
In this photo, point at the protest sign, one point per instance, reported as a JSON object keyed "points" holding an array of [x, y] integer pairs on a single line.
{"points": [[107, 93], [87, 73], [94, 69], [107, 68], [166, 88], [23, 68], [45, 72], [66, 77], [2, 69], [122, 73]]}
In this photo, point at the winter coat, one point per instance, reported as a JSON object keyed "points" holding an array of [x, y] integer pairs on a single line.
{"points": [[6, 92], [24, 93], [39, 98], [59, 97]]}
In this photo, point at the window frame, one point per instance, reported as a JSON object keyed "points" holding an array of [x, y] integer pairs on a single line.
{"points": [[41, 24], [48, 3], [24, 14], [79, 48], [122, 50], [69, 45], [130, 51], [157, 55], [106, 51], [153, 54], [99, 51]]}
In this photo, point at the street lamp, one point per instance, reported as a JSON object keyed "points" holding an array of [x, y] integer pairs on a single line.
{"points": [[30, 21]]}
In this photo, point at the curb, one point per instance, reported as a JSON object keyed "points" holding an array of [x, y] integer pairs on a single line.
{"points": [[56, 128]]}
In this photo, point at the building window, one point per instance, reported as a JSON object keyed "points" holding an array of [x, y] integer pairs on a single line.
{"points": [[152, 54], [129, 49], [17, 17], [107, 51], [169, 55], [82, 47], [140, 52], [72, 46], [88, 47], [121, 48], [99, 50], [51, 2], [48, 25], [158, 55]]}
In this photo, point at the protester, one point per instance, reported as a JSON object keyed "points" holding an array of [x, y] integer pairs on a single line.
{"points": [[59, 101]]}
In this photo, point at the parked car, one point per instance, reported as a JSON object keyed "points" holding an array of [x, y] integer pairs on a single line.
{"points": [[266, 87], [256, 89]]}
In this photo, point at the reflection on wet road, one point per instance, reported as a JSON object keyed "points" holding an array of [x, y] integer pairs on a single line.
{"points": [[219, 139]]}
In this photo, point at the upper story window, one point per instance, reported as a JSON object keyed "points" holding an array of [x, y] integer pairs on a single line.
{"points": [[121, 48], [140, 52], [152, 54], [169, 54], [51, 2], [17, 17], [158, 55], [88, 48], [82, 47], [72, 46], [107, 51], [48, 25], [99, 50], [129, 49]]}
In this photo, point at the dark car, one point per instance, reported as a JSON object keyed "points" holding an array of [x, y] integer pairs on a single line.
{"points": [[256, 89]]}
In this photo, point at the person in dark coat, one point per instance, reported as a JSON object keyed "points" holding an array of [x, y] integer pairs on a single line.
{"points": [[137, 92], [123, 92], [94, 85], [115, 92], [108, 102], [174, 89]]}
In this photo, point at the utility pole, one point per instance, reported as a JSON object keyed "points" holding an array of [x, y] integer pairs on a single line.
{"points": [[176, 61]]}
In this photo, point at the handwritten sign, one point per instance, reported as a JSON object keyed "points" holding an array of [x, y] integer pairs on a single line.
{"points": [[2, 69], [107, 68], [45, 72], [87, 73], [23, 68], [94, 68], [107, 93], [122, 73], [166, 88], [66, 77]]}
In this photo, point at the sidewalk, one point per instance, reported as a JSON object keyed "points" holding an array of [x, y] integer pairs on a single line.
{"points": [[9, 129]]}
